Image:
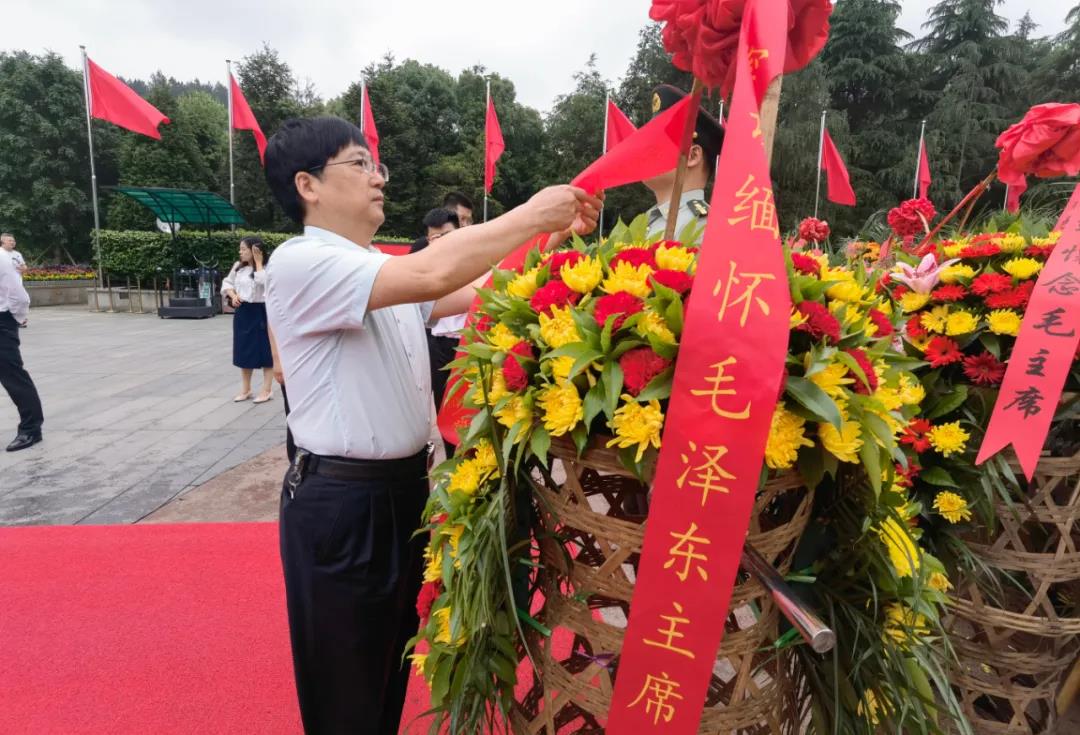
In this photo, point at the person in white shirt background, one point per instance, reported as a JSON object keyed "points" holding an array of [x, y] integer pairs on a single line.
{"points": [[7, 242], [348, 322], [14, 311], [245, 288]]}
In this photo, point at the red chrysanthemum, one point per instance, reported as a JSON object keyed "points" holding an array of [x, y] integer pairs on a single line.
{"points": [[984, 369], [635, 257], [899, 291], [812, 229], [639, 366], [561, 258], [870, 384], [621, 303], [882, 322], [905, 477], [907, 220], [915, 435], [484, 323], [949, 292], [514, 373], [805, 264], [914, 327], [990, 283], [943, 351], [675, 280], [429, 593], [1014, 298], [553, 293], [819, 322], [982, 250], [1042, 252]]}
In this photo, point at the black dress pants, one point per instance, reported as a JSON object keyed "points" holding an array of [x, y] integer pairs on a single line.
{"points": [[352, 574], [16, 380]]}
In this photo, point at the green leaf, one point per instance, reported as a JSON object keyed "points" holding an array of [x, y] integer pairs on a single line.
{"points": [[612, 378], [659, 388], [937, 476], [580, 435], [814, 400], [440, 682], [673, 315], [605, 335], [871, 459], [852, 365], [879, 429], [594, 402], [992, 343], [811, 466], [949, 402]]}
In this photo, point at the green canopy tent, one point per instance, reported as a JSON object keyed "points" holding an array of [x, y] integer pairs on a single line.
{"points": [[191, 208]]}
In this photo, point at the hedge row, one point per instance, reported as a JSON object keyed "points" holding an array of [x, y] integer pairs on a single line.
{"points": [[142, 254]]}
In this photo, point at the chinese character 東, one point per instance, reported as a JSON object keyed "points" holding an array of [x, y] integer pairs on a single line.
{"points": [[686, 545]]}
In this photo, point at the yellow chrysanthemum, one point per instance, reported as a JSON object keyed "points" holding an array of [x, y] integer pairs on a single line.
{"points": [[890, 398], [433, 556], [582, 276], [832, 379], [786, 434], [501, 338], [961, 322], [524, 285], [954, 273], [418, 662], [869, 707], [1004, 321], [935, 319], [453, 535], [485, 458], [1050, 239], [913, 301], [949, 439], [939, 582], [846, 312], [1011, 243], [652, 323], [797, 319], [496, 391], [675, 259], [637, 425], [559, 328], [951, 251], [845, 287], [466, 478], [1022, 268], [884, 306], [843, 444], [904, 626], [952, 507], [903, 552], [561, 367], [625, 277], [442, 619], [516, 410], [912, 392], [562, 408]]}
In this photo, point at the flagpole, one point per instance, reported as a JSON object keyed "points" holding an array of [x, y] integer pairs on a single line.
{"points": [[918, 161], [93, 180], [720, 119], [232, 184], [487, 106], [363, 89], [1005, 204], [607, 115], [820, 153]]}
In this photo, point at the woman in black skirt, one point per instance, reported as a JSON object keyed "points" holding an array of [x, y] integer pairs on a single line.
{"points": [[245, 288]]}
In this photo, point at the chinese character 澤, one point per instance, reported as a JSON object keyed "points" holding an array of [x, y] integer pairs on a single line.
{"points": [[746, 298], [686, 547], [1027, 401], [659, 690], [715, 391], [1037, 363], [756, 204], [671, 634], [709, 476], [1051, 320]]}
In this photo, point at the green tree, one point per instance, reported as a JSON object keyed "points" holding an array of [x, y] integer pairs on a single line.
{"points": [[575, 125]]}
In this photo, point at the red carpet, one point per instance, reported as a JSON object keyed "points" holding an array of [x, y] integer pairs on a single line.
{"points": [[147, 629]]}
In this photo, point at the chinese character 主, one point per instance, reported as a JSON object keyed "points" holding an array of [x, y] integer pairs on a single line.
{"points": [[715, 391], [756, 204], [746, 298], [659, 690], [1027, 401], [672, 633], [1037, 363], [708, 476], [1051, 320], [686, 545]]}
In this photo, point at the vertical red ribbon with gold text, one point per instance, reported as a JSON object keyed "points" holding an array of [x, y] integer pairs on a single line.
{"points": [[1043, 353], [727, 379]]}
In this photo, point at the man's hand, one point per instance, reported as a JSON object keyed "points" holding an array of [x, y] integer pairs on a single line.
{"points": [[557, 208]]}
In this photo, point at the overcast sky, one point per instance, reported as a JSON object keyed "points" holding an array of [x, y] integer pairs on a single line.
{"points": [[538, 45]]}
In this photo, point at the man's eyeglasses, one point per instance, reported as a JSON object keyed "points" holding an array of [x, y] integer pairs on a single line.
{"points": [[364, 164]]}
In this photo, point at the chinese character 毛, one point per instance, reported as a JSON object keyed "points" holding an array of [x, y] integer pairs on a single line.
{"points": [[1051, 320], [714, 391], [708, 476], [746, 298], [659, 690], [686, 547], [671, 634]]}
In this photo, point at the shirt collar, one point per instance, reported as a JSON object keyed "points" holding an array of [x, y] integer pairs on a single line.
{"points": [[333, 238], [686, 197]]}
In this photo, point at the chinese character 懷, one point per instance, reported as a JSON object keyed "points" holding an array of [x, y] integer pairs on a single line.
{"points": [[746, 298]]}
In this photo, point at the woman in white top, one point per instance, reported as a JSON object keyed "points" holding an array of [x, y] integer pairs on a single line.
{"points": [[245, 288]]}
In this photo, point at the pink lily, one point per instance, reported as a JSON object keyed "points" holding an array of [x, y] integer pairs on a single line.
{"points": [[923, 278]]}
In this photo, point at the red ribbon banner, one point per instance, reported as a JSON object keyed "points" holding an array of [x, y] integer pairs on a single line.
{"points": [[1043, 353], [727, 379]]}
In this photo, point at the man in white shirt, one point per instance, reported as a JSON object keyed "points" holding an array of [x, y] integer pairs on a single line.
{"points": [[349, 326], [7, 242], [14, 310]]}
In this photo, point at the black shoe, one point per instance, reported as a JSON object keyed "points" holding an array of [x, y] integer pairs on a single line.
{"points": [[23, 441]]}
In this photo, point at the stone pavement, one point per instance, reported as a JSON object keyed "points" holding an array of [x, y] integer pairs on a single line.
{"points": [[138, 410]]}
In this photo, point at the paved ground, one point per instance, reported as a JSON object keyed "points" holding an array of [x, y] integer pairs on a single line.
{"points": [[138, 410]]}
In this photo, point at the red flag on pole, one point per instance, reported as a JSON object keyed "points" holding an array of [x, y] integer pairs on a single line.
{"points": [[244, 118], [493, 145], [619, 127], [371, 134], [924, 170], [112, 100], [840, 191]]}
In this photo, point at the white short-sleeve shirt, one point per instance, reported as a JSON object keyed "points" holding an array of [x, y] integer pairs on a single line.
{"points": [[358, 380]]}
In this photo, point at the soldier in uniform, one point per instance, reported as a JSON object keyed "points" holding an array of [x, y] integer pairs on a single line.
{"points": [[701, 162]]}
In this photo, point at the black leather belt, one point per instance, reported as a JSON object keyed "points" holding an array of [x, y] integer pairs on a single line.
{"points": [[354, 470]]}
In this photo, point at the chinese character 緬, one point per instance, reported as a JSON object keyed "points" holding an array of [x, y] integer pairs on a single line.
{"points": [[686, 547], [659, 690], [708, 476], [756, 204], [672, 634], [715, 391], [746, 298]]}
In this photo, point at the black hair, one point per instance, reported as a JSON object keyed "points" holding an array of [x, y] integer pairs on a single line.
{"points": [[455, 199], [439, 217], [254, 242], [303, 145]]}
